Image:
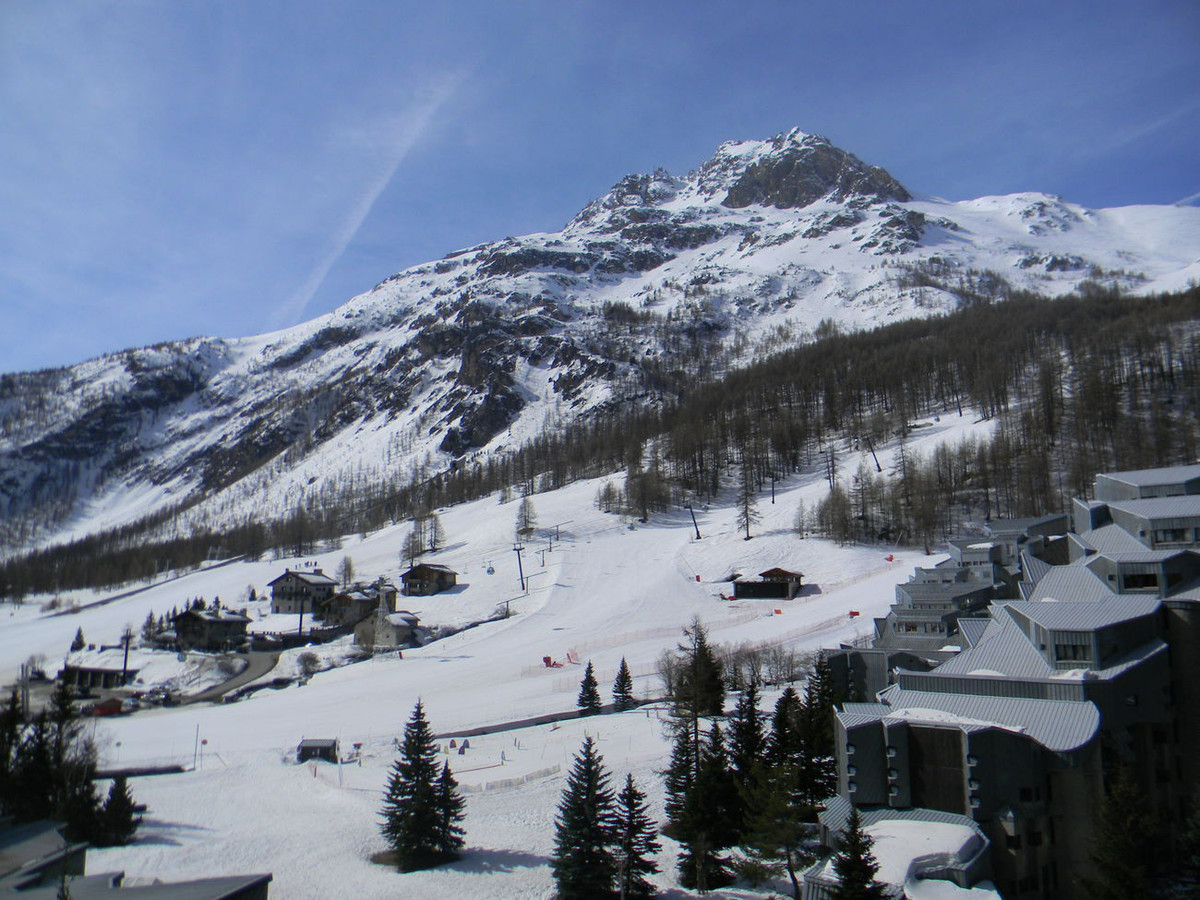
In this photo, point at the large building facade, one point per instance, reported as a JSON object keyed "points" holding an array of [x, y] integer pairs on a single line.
{"points": [[1091, 667]]}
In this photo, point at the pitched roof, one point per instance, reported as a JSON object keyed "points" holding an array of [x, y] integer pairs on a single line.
{"points": [[1110, 539], [318, 578], [972, 629], [1069, 584], [1088, 615], [434, 567], [1154, 477], [1058, 725], [1001, 649], [1183, 507]]}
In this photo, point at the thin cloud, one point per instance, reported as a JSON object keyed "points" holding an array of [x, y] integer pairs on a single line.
{"points": [[1127, 137], [399, 138]]}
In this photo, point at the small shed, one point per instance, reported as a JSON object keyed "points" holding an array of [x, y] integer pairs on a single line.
{"points": [[428, 578], [773, 584], [317, 748]]}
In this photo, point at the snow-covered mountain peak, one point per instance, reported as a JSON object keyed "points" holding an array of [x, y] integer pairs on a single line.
{"points": [[479, 351]]}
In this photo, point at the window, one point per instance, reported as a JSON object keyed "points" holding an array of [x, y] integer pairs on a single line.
{"points": [[1013, 842]]}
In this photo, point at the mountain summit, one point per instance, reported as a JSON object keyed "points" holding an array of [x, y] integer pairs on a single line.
{"points": [[658, 284]]}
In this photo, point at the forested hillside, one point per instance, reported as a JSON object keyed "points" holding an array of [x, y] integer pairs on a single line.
{"points": [[1075, 386]]}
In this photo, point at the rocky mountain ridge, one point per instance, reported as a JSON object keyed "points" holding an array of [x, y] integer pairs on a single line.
{"points": [[659, 282]]}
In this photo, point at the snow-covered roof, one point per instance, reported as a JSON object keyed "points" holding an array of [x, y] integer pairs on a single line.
{"points": [[315, 577], [1058, 725]]}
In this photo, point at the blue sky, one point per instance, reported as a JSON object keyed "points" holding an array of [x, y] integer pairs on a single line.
{"points": [[170, 168]]}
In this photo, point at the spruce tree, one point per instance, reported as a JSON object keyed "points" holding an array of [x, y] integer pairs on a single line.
{"points": [[583, 863], [699, 688], [1123, 840], [855, 865], [78, 643], [747, 502], [589, 693], [784, 744], [412, 820], [149, 628], [118, 819], [707, 825], [773, 836], [451, 811], [678, 779], [818, 765], [747, 735], [622, 689], [634, 843]]}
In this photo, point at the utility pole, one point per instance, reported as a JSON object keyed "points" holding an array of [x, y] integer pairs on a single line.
{"points": [[517, 548], [125, 639]]}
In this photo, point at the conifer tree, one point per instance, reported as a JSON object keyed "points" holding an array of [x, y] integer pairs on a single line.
{"points": [[747, 502], [678, 779], [699, 688], [78, 643], [818, 765], [855, 865], [706, 824], [784, 744], [622, 689], [747, 735], [747, 743], [451, 811], [149, 628], [1123, 839], [412, 817], [774, 833], [634, 843], [118, 820], [583, 863], [589, 693]]}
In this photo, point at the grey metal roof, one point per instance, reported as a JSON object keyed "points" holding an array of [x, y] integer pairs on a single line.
{"points": [[1152, 557], [1149, 477], [1089, 615], [1019, 526], [1160, 507], [972, 629], [1110, 539], [1068, 584], [1058, 725], [1002, 649]]}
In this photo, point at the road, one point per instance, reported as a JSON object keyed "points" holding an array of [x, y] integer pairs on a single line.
{"points": [[259, 663]]}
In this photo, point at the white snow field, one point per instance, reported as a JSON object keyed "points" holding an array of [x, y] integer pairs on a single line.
{"points": [[601, 592]]}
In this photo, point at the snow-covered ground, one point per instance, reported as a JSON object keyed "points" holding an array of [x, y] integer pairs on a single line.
{"points": [[602, 591]]}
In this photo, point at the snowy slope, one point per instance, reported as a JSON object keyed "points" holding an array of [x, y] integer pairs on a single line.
{"points": [[485, 348], [604, 592]]}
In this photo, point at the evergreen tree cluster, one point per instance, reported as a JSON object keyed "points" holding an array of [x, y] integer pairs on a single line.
{"points": [[603, 844], [422, 807], [48, 771], [755, 785]]}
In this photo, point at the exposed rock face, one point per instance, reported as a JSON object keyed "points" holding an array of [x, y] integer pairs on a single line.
{"points": [[799, 173], [661, 281]]}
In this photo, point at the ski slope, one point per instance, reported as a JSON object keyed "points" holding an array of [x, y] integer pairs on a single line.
{"points": [[606, 589]]}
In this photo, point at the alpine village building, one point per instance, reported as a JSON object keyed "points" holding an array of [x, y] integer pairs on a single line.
{"points": [[1011, 684]]}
